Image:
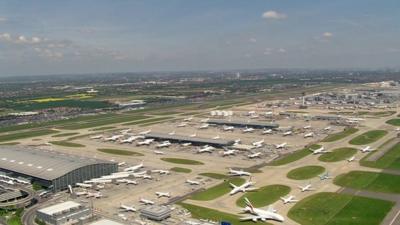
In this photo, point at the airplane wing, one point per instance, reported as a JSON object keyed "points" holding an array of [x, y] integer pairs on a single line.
{"points": [[232, 185], [254, 218]]}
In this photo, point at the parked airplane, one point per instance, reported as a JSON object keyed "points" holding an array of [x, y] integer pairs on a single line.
{"points": [[172, 133], [229, 152], [96, 137], [283, 145], [205, 120], [193, 135], [113, 138], [367, 149], [287, 133], [206, 148], [128, 208], [83, 185], [94, 195], [188, 119], [125, 131], [248, 130], [161, 171], [228, 128], [131, 139], [216, 137], [164, 144], [351, 159], [127, 181], [158, 152], [122, 216], [233, 172], [308, 187], [182, 124], [289, 199], [186, 144], [258, 144], [134, 168], [121, 163], [267, 131], [311, 134], [325, 176], [327, 128], [260, 214], [145, 132], [254, 116], [319, 151], [254, 155], [242, 188], [204, 126], [268, 113], [146, 201], [307, 127], [192, 182], [145, 142], [163, 194]]}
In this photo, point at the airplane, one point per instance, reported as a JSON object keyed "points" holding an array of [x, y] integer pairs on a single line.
{"points": [[144, 176], [268, 113], [327, 128], [134, 168], [84, 185], [283, 145], [242, 188], [205, 120], [216, 137], [228, 128], [258, 144], [206, 148], [397, 129], [233, 172], [311, 134], [193, 135], [164, 144], [122, 164], [145, 132], [351, 159], [254, 155], [163, 194], [254, 116], [127, 208], [158, 152], [229, 152], [186, 144], [192, 223], [319, 151], [260, 214], [127, 181], [131, 139], [96, 137], [237, 141], [145, 142], [122, 216], [367, 149], [113, 138], [94, 195], [307, 127], [192, 182], [288, 133], [80, 193], [171, 133], [325, 176], [289, 199], [265, 131], [308, 187], [204, 126], [125, 131], [248, 130], [182, 125], [188, 119], [161, 171]]}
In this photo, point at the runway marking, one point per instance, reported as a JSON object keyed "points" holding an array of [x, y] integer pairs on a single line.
{"points": [[395, 217]]}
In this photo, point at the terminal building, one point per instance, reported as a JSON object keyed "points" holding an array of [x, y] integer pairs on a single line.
{"points": [[240, 123], [64, 213], [52, 169], [193, 140], [154, 212]]}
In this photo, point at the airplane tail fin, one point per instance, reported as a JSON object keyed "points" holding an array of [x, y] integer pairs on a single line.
{"points": [[248, 203]]}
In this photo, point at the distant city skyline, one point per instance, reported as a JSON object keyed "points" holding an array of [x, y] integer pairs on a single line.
{"points": [[90, 36]]}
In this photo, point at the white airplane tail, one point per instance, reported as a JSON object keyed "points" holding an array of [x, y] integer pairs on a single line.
{"points": [[248, 204]]}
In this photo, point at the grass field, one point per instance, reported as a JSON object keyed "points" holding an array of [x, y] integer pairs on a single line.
{"points": [[217, 190], [181, 170], [390, 160], [102, 128], [305, 172], [340, 135], [264, 196], [339, 209], [217, 176], [119, 152], [65, 134], [182, 161], [371, 181], [147, 121], [337, 154], [67, 144], [199, 212], [294, 156], [118, 118], [10, 143], [394, 122], [26, 134], [368, 137]]}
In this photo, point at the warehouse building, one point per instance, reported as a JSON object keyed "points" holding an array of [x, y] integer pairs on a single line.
{"points": [[240, 123], [52, 169], [193, 140], [64, 213]]}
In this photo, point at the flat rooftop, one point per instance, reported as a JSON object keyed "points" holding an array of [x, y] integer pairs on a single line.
{"points": [[105, 222], [59, 208]]}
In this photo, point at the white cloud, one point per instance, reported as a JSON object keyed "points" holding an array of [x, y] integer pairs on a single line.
{"points": [[3, 19], [282, 50], [273, 15], [252, 40], [5, 37], [327, 35]]}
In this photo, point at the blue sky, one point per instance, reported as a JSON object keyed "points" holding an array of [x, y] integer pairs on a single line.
{"points": [[85, 36]]}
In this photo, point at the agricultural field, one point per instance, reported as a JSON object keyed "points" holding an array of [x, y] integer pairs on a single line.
{"points": [[217, 190], [305, 172], [339, 209], [370, 181], [368, 137], [294, 156], [264, 196], [338, 154], [340, 135]]}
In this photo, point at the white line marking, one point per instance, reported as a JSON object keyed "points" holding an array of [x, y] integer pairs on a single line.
{"points": [[395, 217]]}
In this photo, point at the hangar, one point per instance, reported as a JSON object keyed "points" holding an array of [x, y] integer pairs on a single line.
{"points": [[52, 169], [240, 123]]}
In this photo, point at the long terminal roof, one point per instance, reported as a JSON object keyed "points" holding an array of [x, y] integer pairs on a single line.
{"points": [[44, 164]]}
